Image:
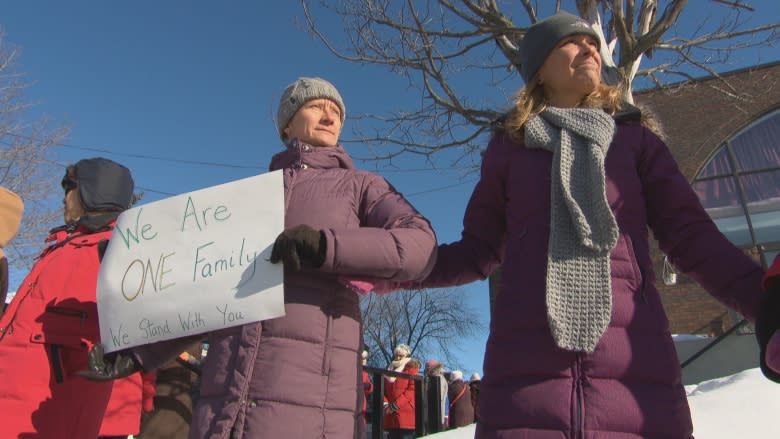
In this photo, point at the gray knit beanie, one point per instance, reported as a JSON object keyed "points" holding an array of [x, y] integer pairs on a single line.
{"points": [[541, 38], [300, 92]]}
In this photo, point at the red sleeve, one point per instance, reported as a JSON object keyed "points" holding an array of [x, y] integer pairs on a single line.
{"points": [[148, 390]]}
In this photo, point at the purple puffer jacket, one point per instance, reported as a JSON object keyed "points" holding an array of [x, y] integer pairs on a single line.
{"points": [[298, 376], [630, 386]]}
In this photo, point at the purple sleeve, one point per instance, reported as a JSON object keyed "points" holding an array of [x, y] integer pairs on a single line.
{"points": [[687, 235], [481, 247], [394, 241]]}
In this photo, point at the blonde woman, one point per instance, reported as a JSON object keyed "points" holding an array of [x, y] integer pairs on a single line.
{"points": [[579, 343]]}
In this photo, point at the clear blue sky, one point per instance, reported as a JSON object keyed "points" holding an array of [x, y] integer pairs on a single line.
{"points": [[199, 81]]}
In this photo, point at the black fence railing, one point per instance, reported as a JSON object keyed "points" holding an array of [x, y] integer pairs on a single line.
{"points": [[713, 343], [427, 403]]}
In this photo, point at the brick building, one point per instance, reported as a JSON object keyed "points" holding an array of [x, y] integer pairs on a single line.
{"points": [[725, 135]]}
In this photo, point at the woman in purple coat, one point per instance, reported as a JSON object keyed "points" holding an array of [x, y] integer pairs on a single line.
{"points": [[579, 343], [299, 376]]}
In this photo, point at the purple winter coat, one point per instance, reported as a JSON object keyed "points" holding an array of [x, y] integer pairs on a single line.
{"points": [[630, 387], [298, 376], [461, 412]]}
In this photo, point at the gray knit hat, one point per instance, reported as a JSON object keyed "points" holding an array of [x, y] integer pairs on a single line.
{"points": [[541, 38], [300, 92]]}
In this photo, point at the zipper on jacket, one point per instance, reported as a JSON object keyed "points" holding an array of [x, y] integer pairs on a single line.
{"points": [[237, 429], [642, 284], [56, 364], [288, 188], [68, 312], [326, 345], [578, 421]]}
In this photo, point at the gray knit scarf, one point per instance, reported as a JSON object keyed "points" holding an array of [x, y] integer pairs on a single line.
{"points": [[582, 227]]}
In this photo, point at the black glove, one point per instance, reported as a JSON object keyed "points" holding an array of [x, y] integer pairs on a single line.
{"points": [[299, 247], [391, 408], [109, 367], [767, 322]]}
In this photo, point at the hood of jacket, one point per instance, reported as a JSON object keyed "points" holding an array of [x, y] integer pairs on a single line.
{"points": [[89, 223]]}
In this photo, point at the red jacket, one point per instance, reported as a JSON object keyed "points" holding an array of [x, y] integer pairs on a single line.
{"points": [[128, 397], [401, 393], [45, 335], [368, 388]]}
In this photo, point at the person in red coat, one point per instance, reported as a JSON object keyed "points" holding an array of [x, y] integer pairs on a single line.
{"points": [[368, 385], [399, 419], [52, 322]]}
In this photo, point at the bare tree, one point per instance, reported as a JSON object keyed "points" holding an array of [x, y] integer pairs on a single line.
{"points": [[26, 166], [445, 47], [428, 321]]}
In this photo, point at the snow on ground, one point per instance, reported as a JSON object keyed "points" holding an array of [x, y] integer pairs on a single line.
{"points": [[740, 406]]}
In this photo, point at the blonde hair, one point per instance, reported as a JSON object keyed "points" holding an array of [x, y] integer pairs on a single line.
{"points": [[402, 350], [530, 100]]}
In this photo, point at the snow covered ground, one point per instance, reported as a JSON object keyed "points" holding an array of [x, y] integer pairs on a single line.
{"points": [[739, 406]]}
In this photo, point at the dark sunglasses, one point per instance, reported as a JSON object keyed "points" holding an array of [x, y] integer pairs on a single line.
{"points": [[68, 184]]}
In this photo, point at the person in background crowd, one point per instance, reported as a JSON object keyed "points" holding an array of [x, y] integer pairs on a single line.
{"points": [[571, 181], [434, 370], [461, 410], [11, 210], [173, 400], [341, 224], [49, 326], [474, 389], [368, 385], [400, 418]]}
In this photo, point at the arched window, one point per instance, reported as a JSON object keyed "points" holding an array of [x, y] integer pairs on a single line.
{"points": [[740, 186]]}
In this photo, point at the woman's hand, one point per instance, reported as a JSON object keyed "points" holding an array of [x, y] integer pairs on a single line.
{"points": [[109, 367], [299, 247]]}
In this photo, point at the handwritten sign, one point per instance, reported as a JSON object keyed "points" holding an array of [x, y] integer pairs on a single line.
{"points": [[193, 263]]}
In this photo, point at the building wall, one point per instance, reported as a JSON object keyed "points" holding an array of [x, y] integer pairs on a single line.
{"points": [[697, 117]]}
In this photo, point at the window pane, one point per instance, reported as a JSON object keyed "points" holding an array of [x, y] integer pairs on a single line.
{"points": [[763, 195], [766, 226], [735, 228], [763, 187], [758, 147], [770, 256], [717, 193], [719, 198], [718, 165]]}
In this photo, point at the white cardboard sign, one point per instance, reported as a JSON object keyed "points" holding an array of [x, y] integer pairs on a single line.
{"points": [[193, 263]]}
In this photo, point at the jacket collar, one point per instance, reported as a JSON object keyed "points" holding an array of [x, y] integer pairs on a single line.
{"points": [[86, 224], [627, 113], [299, 154]]}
